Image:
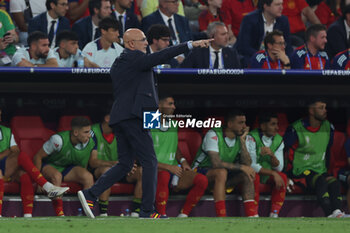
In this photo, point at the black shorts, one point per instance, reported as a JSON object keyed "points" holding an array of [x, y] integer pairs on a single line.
{"points": [[3, 165]]}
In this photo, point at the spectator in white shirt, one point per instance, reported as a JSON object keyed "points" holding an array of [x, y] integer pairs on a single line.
{"points": [[68, 53], [38, 54], [104, 50]]}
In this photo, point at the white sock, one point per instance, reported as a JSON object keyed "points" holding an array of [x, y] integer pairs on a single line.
{"points": [[27, 215], [48, 186]]}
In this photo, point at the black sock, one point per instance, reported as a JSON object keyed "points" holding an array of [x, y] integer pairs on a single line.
{"points": [[103, 206], [321, 189], [335, 194], [136, 204]]}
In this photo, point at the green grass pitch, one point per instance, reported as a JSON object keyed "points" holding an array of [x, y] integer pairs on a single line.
{"points": [[176, 225]]}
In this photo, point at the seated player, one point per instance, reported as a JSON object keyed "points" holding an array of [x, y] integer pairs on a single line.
{"points": [[307, 142], [10, 160], [265, 147], [172, 165], [64, 157], [224, 158], [106, 157]]}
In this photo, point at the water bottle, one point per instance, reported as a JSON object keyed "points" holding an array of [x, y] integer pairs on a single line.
{"points": [[127, 213], [80, 212], [80, 61], [175, 179]]}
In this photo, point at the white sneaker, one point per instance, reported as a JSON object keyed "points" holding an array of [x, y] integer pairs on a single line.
{"points": [[104, 215], [182, 215], [56, 191], [273, 215], [27, 215], [337, 214], [134, 215], [254, 216]]}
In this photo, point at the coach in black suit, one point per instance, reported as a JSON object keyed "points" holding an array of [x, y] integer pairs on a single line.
{"points": [[179, 28], [134, 91], [218, 55], [337, 34], [51, 22]]}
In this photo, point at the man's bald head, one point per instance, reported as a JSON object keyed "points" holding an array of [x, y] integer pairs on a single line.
{"points": [[135, 39]]}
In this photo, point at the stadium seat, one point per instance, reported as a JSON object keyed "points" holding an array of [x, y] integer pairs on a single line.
{"points": [[64, 122], [189, 141], [338, 154], [30, 133]]}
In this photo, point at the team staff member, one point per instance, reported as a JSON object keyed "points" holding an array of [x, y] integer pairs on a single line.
{"points": [[311, 56], [307, 142], [274, 56], [265, 147], [171, 163]]}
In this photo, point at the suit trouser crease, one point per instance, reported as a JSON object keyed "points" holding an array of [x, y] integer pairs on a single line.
{"points": [[133, 142]]}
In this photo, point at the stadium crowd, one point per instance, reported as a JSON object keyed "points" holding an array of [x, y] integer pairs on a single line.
{"points": [[265, 34], [88, 33]]}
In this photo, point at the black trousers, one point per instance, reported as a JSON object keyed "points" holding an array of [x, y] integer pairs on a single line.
{"points": [[133, 142]]}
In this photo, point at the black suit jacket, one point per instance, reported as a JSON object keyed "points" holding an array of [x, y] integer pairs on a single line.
{"points": [[134, 88], [181, 24], [199, 58], [336, 37], [83, 27], [131, 20], [39, 23], [251, 34]]}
